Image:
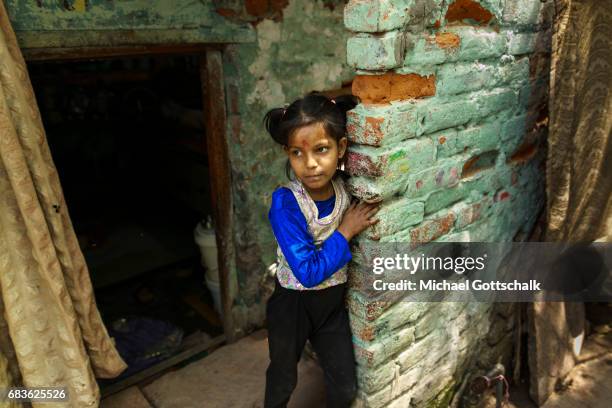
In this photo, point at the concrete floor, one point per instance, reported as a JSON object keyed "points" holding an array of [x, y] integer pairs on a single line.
{"points": [[234, 376], [589, 384]]}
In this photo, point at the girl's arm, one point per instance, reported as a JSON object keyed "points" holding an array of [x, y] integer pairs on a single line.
{"points": [[310, 265]]}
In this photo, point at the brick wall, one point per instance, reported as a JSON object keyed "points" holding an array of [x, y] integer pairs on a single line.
{"points": [[450, 135]]}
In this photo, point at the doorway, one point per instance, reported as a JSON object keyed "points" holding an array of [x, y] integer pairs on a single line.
{"points": [[129, 137]]}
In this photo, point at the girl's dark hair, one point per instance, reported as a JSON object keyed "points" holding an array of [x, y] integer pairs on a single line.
{"points": [[313, 108]]}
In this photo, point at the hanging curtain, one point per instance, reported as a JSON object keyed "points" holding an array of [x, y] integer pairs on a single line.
{"points": [[578, 174], [51, 333], [579, 170]]}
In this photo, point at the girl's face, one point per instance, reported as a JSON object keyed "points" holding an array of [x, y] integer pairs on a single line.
{"points": [[313, 156]]}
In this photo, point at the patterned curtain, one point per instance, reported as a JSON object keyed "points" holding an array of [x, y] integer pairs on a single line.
{"points": [[579, 170], [51, 333]]}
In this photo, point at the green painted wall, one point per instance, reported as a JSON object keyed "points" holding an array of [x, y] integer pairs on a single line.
{"points": [[109, 15], [48, 23]]}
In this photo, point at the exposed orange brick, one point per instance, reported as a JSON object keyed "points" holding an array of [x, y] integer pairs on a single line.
{"points": [[468, 9], [375, 309], [362, 165], [367, 334], [374, 122], [373, 127], [471, 213], [448, 40], [477, 164], [256, 7], [364, 355], [501, 196], [431, 229], [524, 153], [226, 12], [391, 87], [468, 167]]}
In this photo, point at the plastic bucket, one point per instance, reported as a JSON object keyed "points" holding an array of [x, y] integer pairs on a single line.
{"points": [[212, 274], [206, 240], [215, 291]]}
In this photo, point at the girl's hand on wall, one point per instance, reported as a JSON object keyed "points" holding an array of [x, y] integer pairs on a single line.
{"points": [[357, 218]]}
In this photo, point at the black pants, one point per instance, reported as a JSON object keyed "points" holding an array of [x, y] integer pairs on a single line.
{"points": [[295, 316]]}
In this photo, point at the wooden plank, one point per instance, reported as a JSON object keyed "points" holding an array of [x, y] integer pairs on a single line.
{"points": [[107, 38], [131, 397], [84, 53], [220, 180], [162, 365], [202, 308]]}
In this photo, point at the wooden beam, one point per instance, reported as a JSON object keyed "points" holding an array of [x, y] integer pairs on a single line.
{"points": [[220, 177], [85, 53], [115, 37]]}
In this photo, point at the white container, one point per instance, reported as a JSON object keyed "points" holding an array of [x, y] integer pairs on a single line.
{"points": [[206, 240], [215, 291]]}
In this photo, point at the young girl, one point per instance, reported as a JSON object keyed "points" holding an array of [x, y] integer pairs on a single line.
{"points": [[313, 220]]}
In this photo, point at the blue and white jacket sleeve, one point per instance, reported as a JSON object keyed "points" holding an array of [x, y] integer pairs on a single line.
{"points": [[309, 265]]}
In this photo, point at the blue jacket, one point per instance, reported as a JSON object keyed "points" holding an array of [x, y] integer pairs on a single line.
{"points": [[309, 264]]}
